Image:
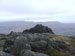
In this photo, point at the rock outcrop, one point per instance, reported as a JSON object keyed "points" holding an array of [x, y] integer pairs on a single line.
{"points": [[39, 29], [33, 42]]}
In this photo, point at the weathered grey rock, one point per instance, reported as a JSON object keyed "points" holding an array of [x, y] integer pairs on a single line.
{"points": [[36, 36], [35, 42], [41, 54], [31, 53], [39, 45], [4, 54], [20, 45], [54, 43], [8, 42]]}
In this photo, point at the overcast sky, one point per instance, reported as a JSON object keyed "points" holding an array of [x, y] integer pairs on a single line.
{"points": [[37, 10]]}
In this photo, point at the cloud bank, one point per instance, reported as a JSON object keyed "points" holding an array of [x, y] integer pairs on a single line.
{"points": [[37, 10]]}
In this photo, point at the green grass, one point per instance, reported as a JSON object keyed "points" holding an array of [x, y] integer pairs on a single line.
{"points": [[1, 44], [60, 37], [54, 52]]}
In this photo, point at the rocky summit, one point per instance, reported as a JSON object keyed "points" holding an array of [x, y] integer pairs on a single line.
{"points": [[39, 28], [37, 41]]}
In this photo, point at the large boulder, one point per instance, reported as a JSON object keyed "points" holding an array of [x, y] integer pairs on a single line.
{"points": [[39, 45], [48, 44], [39, 29], [56, 44], [20, 45]]}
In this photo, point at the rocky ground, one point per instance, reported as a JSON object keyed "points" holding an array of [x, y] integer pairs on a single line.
{"points": [[37, 41]]}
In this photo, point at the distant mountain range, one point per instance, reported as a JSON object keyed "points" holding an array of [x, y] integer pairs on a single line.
{"points": [[67, 29]]}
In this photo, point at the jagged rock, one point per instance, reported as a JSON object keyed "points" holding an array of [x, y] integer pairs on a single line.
{"points": [[31, 53], [39, 29]]}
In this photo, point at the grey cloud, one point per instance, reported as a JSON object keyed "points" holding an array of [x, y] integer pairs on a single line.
{"points": [[37, 10]]}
